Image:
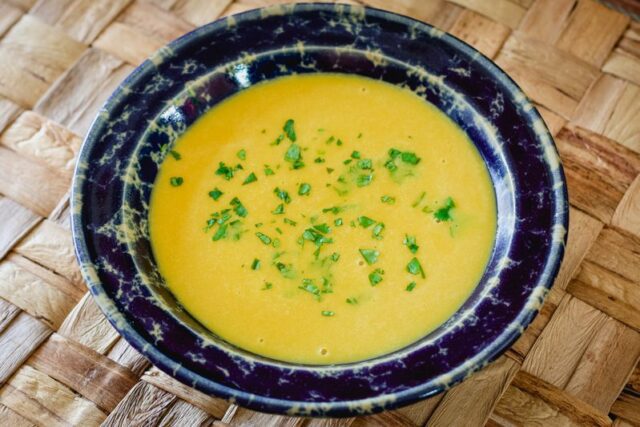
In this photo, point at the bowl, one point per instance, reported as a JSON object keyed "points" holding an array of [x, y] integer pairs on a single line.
{"points": [[162, 97]]}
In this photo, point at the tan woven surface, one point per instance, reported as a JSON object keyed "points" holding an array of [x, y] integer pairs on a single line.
{"points": [[61, 363]]}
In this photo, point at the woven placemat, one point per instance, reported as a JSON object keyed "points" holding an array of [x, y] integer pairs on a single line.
{"points": [[61, 363]]}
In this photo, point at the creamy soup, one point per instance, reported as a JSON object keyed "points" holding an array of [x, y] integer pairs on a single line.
{"points": [[322, 218]]}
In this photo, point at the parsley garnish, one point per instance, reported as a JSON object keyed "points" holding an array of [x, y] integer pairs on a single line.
{"points": [[226, 171], [251, 178], [264, 238], [410, 286], [355, 155], [337, 222], [309, 286], [220, 232], [323, 228], [377, 230], [419, 199], [267, 286], [278, 140], [388, 200], [255, 265], [242, 154], [334, 210], [444, 213], [290, 222], [282, 195], [328, 313], [375, 276], [410, 242], [215, 194], [365, 221], [176, 181], [238, 207], [352, 301], [268, 171], [304, 189], [294, 156], [278, 210], [410, 158], [335, 256], [289, 130], [175, 154], [370, 255], [415, 268], [319, 160], [364, 180]]}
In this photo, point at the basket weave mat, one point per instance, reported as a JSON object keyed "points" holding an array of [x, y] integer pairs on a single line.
{"points": [[61, 363]]}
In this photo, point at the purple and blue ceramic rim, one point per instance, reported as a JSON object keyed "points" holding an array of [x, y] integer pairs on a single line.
{"points": [[162, 97]]}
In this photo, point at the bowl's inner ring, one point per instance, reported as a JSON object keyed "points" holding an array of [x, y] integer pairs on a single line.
{"points": [[120, 159], [201, 95]]}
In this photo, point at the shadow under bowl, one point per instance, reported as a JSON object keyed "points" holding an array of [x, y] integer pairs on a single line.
{"points": [[121, 155]]}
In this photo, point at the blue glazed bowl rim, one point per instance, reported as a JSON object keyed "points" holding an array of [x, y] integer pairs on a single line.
{"points": [[341, 408]]}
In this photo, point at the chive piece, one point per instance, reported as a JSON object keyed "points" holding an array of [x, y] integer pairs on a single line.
{"points": [[279, 230], [410, 286], [410, 158], [251, 178], [220, 233], [290, 222], [255, 265], [415, 268], [364, 180], [352, 301], [238, 207], [369, 255], [365, 221], [282, 195], [375, 276], [289, 130], [284, 269], [242, 154], [328, 313], [410, 242], [225, 171], [264, 238], [355, 155], [334, 210], [309, 286], [346, 162], [365, 164], [278, 140], [215, 194], [388, 200], [175, 154], [323, 228], [276, 243], [390, 165], [444, 213], [267, 286], [268, 171], [304, 189], [176, 181], [393, 153], [377, 230], [419, 199], [337, 222], [319, 160], [335, 256], [278, 210]]}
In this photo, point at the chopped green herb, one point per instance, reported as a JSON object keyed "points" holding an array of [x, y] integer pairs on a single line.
{"points": [[365, 221], [284, 269], [225, 171], [294, 156], [175, 154], [242, 154], [365, 164], [278, 210], [220, 232], [444, 213], [279, 230], [375, 276], [330, 139], [319, 160], [258, 224], [394, 153], [352, 301], [334, 210], [176, 181], [289, 130], [389, 164], [328, 313], [278, 140], [410, 286], [316, 237], [337, 222], [264, 238], [369, 255], [415, 268], [419, 199], [290, 222], [268, 171], [339, 142], [346, 162], [323, 228], [267, 286], [238, 207], [255, 265], [329, 170], [309, 286], [359, 135], [282, 195], [251, 178], [377, 231], [364, 180], [276, 243], [304, 189], [410, 242], [388, 200], [355, 155], [335, 256], [410, 158], [215, 194]]}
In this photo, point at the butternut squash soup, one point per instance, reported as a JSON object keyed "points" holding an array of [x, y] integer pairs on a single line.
{"points": [[322, 218]]}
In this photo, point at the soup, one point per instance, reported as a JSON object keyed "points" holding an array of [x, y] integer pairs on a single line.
{"points": [[322, 218]]}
